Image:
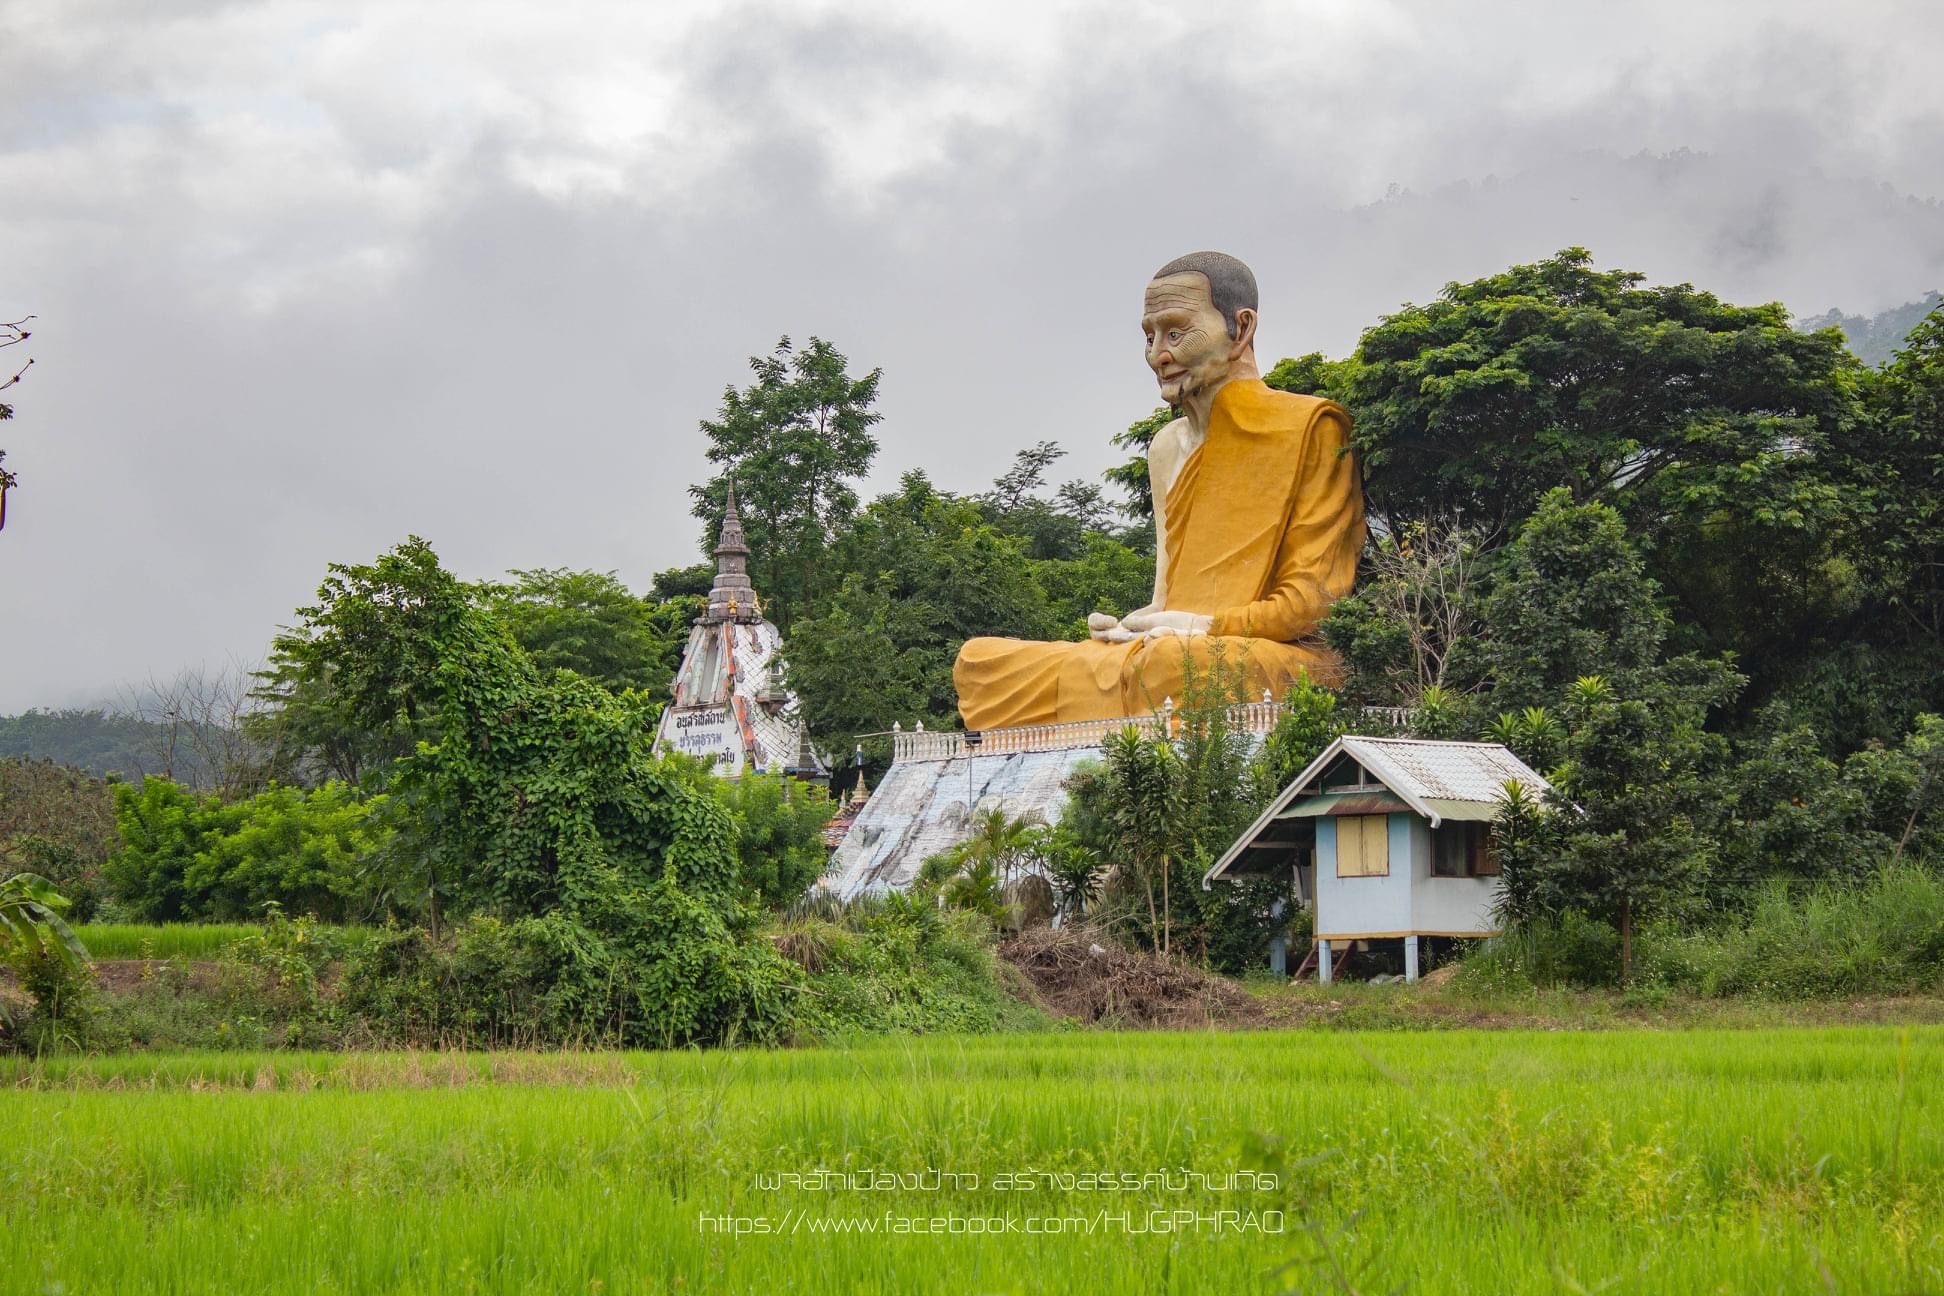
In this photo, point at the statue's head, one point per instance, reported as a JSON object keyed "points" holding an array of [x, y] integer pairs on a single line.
{"points": [[1199, 318]]}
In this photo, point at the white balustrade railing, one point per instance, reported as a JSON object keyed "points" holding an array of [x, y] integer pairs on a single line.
{"points": [[1245, 717]]}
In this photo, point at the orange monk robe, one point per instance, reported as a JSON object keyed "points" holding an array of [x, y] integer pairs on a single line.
{"points": [[1264, 525]]}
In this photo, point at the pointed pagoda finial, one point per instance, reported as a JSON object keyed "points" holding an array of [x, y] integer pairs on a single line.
{"points": [[732, 598], [729, 540]]}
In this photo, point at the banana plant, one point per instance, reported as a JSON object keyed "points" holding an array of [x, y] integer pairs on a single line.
{"points": [[30, 919]]}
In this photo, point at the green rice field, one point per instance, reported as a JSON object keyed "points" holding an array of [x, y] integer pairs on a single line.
{"points": [[171, 940], [1787, 1160]]}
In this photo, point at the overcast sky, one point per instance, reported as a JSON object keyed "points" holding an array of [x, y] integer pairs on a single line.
{"points": [[311, 277]]}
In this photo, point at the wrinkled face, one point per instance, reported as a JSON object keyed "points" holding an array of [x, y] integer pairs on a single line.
{"points": [[1188, 345]]}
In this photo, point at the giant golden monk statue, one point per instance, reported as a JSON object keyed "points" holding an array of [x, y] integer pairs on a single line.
{"points": [[1258, 520]]}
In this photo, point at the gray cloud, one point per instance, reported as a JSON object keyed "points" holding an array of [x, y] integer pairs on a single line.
{"points": [[311, 277]]}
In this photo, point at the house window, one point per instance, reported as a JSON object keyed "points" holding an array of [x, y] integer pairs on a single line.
{"points": [[1363, 846], [1463, 850]]}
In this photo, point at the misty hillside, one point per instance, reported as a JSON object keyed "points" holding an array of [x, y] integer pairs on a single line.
{"points": [[1876, 338], [100, 742]]}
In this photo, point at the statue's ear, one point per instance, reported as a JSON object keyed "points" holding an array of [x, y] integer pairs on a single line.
{"points": [[1245, 329]]}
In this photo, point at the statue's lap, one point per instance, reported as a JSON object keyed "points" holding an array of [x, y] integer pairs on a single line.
{"points": [[1008, 682]]}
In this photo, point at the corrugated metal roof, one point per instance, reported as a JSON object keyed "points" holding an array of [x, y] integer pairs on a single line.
{"points": [[1443, 771], [1439, 780], [1360, 803]]}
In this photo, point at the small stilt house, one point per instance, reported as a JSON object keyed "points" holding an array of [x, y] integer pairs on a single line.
{"points": [[1387, 839]]}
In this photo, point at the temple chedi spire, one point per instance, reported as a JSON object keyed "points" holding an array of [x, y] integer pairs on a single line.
{"points": [[732, 704], [732, 598]]}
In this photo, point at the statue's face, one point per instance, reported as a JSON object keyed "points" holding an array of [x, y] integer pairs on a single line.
{"points": [[1188, 345]]}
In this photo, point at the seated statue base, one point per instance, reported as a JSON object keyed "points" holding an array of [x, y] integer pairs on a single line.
{"points": [[1007, 683]]}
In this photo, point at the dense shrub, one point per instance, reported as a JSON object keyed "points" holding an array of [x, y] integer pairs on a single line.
{"points": [[656, 968], [62, 997], [898, 964], [1569, 949], [187, 857]]}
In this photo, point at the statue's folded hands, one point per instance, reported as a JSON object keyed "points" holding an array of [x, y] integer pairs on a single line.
{"points": [[1107, 628], [1160, 625]]}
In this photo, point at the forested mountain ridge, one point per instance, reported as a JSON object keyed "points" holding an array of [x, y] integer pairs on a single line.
{"points": [[101, 742], [1876, 338]]}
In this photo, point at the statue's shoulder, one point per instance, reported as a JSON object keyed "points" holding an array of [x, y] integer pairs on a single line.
{"points": [[1259, 407], [1168, 439]]}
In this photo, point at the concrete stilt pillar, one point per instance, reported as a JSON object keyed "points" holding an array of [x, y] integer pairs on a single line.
{"points": [[1323, 962], [1410, 958], [1279, 945]]}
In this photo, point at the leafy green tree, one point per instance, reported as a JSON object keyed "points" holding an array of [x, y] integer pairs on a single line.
{"points": [[923, 572], [779, 833], [794, 441], [1106, 576], [1138, 795], [1011, 843], [1634, 829], [1664, 401], [1309, 722], [1801, 816], [315, 852], [978, 888], [1534, 734], [1705, 425], [1573, 641], [694, 582], [361, 699], [583, 621], [1410, 627], [1574, 600], [1157, 811], [589, 623], [59, 823], [1075, 870], [1922, 776], [540, 802], [1314, 375], [1885, 664], [163, 827], [1086, 503], [864, 658], [46, 956], [978, 873], [1015, 507]]}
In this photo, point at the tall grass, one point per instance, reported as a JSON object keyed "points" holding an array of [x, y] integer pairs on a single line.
{"points": [[1884, 935], [1651, 1162], [195, 941]]}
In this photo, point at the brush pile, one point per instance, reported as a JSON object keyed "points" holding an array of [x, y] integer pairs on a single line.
{"points": [[1084, 974]]}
